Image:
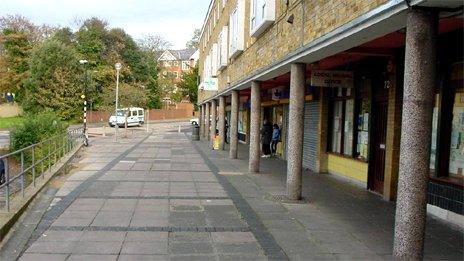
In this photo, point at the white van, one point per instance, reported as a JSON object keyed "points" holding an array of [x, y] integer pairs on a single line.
{"points": [[135, 117]]}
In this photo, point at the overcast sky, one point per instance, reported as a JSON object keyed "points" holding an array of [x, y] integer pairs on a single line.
{"points": [[175, 20]]}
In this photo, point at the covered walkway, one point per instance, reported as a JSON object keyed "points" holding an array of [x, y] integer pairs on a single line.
{"points": [[340, 221]]}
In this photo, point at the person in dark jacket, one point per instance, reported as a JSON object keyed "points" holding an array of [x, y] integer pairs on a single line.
{"points": [[275, 139], [266, 138], [2, 172]]}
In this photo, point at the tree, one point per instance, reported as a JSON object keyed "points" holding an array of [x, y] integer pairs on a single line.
{"points": [[154, 43], [194, 42], [189, 85], [56, 80], [16, 48]]}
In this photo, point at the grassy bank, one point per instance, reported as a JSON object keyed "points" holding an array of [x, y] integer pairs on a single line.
{"points": [[6, 123]]}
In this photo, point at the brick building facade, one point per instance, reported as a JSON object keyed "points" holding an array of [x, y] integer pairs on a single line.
{"points": [[172, 64], [371, 91]]}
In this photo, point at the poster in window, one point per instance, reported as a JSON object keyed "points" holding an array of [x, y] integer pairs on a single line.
{"points": [[366, 122]]}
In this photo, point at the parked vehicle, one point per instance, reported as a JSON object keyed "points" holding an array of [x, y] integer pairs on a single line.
{"points": [[194, 121], [135, 117]]}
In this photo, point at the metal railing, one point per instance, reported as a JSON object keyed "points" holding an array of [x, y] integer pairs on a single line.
{"points": [[24, 166]]}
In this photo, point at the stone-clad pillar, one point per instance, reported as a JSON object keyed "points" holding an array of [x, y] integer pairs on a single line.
{"points": [[213, 122], [207, 121], [255, 115], [233, 126], [222, 122], [295, 131], [202, 120], [416, 127]]}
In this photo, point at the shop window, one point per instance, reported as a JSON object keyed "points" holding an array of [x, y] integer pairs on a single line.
{"points": [[341, 120], [456, 161], [363, 100], [447, 138], [433, 146]]}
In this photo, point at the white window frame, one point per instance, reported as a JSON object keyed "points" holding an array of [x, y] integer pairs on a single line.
{"points": [[222, 48], [214, 60], [185, 65], [262, 16], [237, 30]]}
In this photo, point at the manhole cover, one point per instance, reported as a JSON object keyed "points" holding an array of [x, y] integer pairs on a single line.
{"points": [[284, 199], [186, 208]]}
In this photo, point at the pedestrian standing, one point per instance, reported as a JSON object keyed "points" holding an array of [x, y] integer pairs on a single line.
{"points": [[266, 137], [226, 128], [2, 172], [275, 139]]}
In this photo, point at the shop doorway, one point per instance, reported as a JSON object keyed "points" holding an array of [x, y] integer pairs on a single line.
{"points": [[379, 139]]}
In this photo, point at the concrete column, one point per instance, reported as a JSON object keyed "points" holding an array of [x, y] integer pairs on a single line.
{"points": [[233, 126], [295, 131], [255, 115], [213, 122], [222, 122], [202, 120], [207, 119], [419, 82]]}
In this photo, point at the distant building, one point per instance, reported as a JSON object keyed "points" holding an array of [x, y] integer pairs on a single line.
{"points": [[175, 62], [172, 64]]}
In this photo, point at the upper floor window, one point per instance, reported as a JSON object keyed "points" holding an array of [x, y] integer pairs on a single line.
{"points": [[222, 48], [185, 65], [214, 60], [237, 29], [262, 16]]}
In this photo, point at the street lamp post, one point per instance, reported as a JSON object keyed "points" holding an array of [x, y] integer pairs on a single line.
{"points": [[84, 97], [118, 67]]}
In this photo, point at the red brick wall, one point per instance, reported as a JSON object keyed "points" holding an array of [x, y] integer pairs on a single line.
{"points": [[183, 111]]}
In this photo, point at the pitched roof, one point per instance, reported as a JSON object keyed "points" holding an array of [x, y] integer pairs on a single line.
{"points": [[183, 54]]}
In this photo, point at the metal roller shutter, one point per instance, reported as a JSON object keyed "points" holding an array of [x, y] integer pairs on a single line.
{"points": [[311, 135]]}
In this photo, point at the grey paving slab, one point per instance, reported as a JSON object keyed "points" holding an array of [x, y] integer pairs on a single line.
{"points": [[98, 247], [59, 247], [145, 248], [77, 257], [113, 218], [124, 257], [191, 248], [102, 236], [233, 237]]}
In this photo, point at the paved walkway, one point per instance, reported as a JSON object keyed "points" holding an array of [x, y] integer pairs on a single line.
{"points": [[341, 221], [146, 198], [163, 197]]}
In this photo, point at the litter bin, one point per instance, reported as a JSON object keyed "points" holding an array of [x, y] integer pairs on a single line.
{"points": [[195, 132]]}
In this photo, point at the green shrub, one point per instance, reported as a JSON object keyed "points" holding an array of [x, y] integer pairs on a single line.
{"points": [[36, 128]]}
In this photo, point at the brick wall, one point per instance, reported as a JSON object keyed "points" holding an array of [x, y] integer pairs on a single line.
{"points": [[312, 19], [182, 112]]}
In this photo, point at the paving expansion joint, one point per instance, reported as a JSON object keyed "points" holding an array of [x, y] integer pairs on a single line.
{"points": [[150, 229]]}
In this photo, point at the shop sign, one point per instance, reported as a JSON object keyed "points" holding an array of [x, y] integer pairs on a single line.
{"points": [[277, 93], [334, 79], [210, 84]]}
